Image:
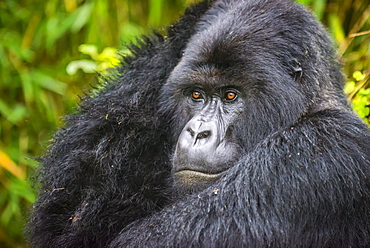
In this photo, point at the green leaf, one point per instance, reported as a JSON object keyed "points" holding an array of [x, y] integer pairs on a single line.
{"points": [[22, 189], [364, 92], [7, 213], [305, 2], [89, 49], [88, 66], [349, 87], [337, 28], [360, 100], [14, 114], [27, 86], [155, 7], [319, 7], [359, 76], [58, 26], [130, 30], [18, 113], [83, 15], [49, 83]]}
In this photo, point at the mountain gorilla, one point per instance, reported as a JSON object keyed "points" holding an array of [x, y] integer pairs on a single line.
{"points": [[233, 131]]}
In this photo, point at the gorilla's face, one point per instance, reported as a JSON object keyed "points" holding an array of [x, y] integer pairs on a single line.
{"points": [[205, 147], [209, 101]]}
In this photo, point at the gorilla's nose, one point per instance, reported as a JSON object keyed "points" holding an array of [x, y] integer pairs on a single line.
{"points": [[200, 133], [203, 134]]}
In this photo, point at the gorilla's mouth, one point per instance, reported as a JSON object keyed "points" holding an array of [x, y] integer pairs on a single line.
{"points": [[198, 174], [188, 180]]}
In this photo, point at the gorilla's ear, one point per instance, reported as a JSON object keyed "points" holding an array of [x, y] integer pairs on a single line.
{"points": [[295, 69]]}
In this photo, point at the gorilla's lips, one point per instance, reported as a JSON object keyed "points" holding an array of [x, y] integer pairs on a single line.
{"points": [[193, 173], [191, 180]]}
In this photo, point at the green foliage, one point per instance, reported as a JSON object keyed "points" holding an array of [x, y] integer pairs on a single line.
{"points": [[349, 24], [360, 96], [50, 51], [108, 58]]}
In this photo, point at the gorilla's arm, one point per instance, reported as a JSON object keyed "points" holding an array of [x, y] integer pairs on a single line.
{"points": [[109, 165], [300, 187], [92, 176]]}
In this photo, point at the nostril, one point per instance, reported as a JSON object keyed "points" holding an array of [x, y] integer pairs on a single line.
{"points": [[192, 133], [203, 135]]}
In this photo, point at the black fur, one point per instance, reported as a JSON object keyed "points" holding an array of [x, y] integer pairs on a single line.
{"points": [[303, 179]]}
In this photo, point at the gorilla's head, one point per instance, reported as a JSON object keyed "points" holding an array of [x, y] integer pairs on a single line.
{"points": [[248, 72]]}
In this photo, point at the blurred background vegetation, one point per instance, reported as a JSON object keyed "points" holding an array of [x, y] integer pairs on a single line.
{"points": [[50, 50]]}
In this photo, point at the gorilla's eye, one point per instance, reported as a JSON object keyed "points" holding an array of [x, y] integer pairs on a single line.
{"points": [[196, 95], [230, 96]]}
